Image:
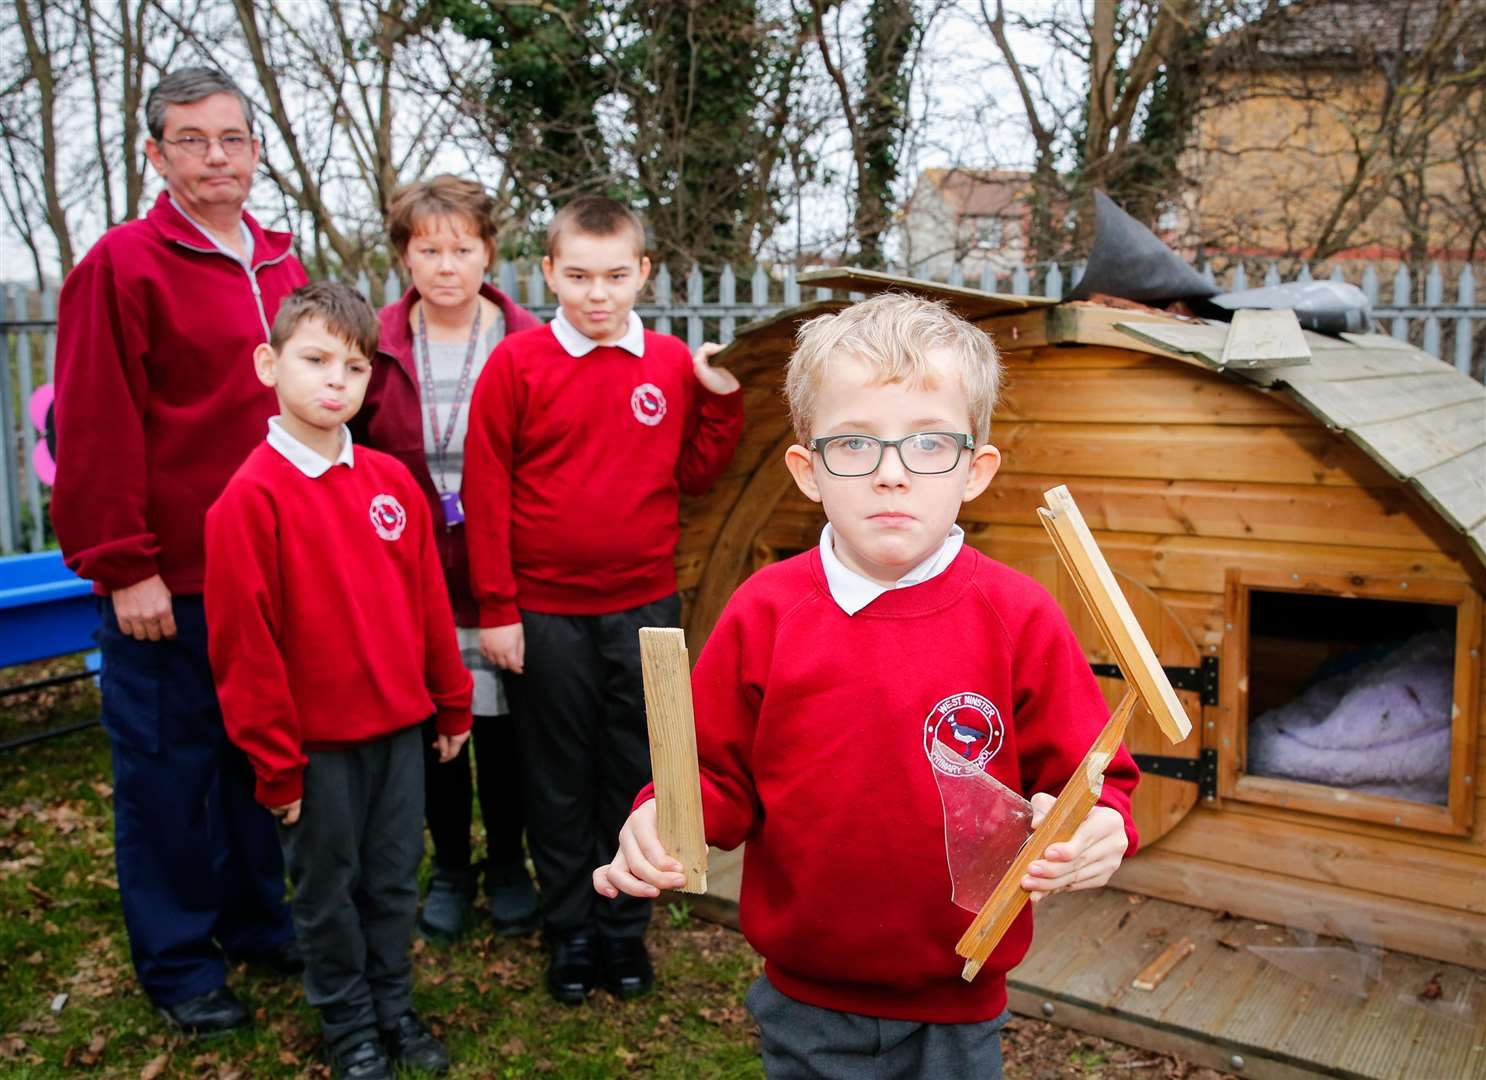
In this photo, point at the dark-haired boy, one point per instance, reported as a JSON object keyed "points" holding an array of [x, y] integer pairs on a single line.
{"points": [[583, 433], [331, 641]]}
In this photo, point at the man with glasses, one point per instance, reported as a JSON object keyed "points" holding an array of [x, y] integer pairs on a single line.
{"points": [[157, 406]]}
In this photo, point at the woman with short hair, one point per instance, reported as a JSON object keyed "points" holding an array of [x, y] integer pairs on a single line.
{"points": [[435, 341]]}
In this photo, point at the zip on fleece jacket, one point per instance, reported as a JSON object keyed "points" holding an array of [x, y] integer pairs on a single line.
{"points": [[252, 278]]}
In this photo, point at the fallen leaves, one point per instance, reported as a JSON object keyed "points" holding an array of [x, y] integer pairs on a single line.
{"points": [[728, 1014], [89, 1056], [155, 1068]]}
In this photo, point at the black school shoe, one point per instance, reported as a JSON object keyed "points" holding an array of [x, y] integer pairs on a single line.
{"points": [[628, 972], [215, 1012], [411, 1044], [573, 970], [361, 1059]]}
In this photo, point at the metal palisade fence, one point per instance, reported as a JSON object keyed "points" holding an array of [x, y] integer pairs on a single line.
{"points": [[698, 307]]}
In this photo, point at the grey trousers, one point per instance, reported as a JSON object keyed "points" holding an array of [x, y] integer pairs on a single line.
{"points": [[353, 858], [805, 1042]]}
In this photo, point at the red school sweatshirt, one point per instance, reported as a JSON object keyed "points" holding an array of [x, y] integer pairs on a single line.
{"points": [[573, 472], [328, 622], [157, 402], [816, 733]]}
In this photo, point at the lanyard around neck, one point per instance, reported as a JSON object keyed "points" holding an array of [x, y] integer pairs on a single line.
{"points": [[442, 440]]}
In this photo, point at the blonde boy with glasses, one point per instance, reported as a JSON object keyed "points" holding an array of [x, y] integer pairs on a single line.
{"points": [[845, 696]]}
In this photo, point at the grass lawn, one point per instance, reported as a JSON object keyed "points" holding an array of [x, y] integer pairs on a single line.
{"points": [[69, 1002]]}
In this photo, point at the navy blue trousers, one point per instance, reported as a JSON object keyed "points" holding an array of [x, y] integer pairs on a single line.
{"points": [[201, 877]]}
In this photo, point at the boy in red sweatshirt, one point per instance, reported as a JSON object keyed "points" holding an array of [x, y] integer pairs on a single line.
{"points": [[331, 641], [582, 436], [852, 702]]}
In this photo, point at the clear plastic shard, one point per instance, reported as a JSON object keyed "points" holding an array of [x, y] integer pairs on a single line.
{"points": [[985, 825]]}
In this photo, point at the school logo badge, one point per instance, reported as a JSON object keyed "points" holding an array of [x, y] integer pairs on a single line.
{"points": [[963, 732], [388, 517], [648, 404]]}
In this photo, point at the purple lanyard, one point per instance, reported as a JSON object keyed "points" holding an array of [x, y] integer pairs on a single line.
{"points": [[441, 442]]}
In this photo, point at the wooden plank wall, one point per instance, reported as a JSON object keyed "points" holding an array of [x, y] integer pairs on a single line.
{"points": [[1182, 473]]}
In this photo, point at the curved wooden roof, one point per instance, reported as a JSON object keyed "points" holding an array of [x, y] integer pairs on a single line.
{"points": [[1419, 418]]}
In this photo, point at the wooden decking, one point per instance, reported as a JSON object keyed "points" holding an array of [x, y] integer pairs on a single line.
{"points": [[1301, 1007]]}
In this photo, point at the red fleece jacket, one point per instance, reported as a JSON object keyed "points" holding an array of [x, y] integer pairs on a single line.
{"points": [[157, 402], [815, 731], [328, 622], [573, 469]]}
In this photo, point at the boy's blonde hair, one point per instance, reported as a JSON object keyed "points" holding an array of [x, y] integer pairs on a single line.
{"points": [[893, 334]]}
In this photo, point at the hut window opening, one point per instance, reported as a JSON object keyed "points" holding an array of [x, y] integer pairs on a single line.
{"points": [[1351, 696], [1351, 693]]}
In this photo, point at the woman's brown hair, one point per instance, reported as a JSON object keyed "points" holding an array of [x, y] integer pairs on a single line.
{"points": [[444, 196]]}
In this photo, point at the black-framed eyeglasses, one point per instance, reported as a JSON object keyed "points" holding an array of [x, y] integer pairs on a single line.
{"points": [[196, 146], [926, 453]]}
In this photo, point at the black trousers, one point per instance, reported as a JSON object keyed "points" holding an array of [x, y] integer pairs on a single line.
{"points": [[580, 721], [353, 858], [449, 802]]}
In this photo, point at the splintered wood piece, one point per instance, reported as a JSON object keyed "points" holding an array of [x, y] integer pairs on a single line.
{"points": [[1154, 973], [1068, 812], [1096, 584], [673, 750]]}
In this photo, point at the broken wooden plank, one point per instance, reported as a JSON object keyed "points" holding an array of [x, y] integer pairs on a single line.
{"points": [[1203, 340], [1154, 973], [1096, 583], [1264, 339], [1068, 812], [970, 303], [673, 751]]}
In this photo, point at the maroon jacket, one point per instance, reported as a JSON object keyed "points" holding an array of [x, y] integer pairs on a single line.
{"points": [[391, 420], [157, 401]]}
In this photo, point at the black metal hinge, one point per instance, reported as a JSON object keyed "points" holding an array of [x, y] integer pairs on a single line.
{"points": [[1202, 679], [1201, 770]]}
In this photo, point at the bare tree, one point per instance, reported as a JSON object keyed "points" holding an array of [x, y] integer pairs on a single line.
{"points": [[347, 132], [44, 31], [70, 117], [1375, 135], [874, 104], [1114, 107]]}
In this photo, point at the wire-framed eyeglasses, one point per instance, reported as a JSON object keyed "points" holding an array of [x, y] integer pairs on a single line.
{"points": [[925, 453], [196, 146]]}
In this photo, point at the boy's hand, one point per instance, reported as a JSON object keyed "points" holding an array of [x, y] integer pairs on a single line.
{"points": [[717, 380], [504, 646], [143, 610], [1083, 861], [641, 866], [289, 814], [449, 746]]}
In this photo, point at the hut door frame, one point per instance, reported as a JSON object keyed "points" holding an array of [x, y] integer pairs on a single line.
{"points": [[1159, 802]]}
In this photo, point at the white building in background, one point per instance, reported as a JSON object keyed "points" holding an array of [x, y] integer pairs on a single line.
{"points": [[976, 217]]}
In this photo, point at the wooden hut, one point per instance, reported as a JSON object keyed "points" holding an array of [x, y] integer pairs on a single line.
{"points": [[1263, 523]]}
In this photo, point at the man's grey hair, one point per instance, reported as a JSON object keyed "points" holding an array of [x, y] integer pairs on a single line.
{"points": [[185, 85]]}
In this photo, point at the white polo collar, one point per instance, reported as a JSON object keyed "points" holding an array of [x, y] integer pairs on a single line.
{"points": [[852, 591], [576, 343], [310, 462], [246, 258]]}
